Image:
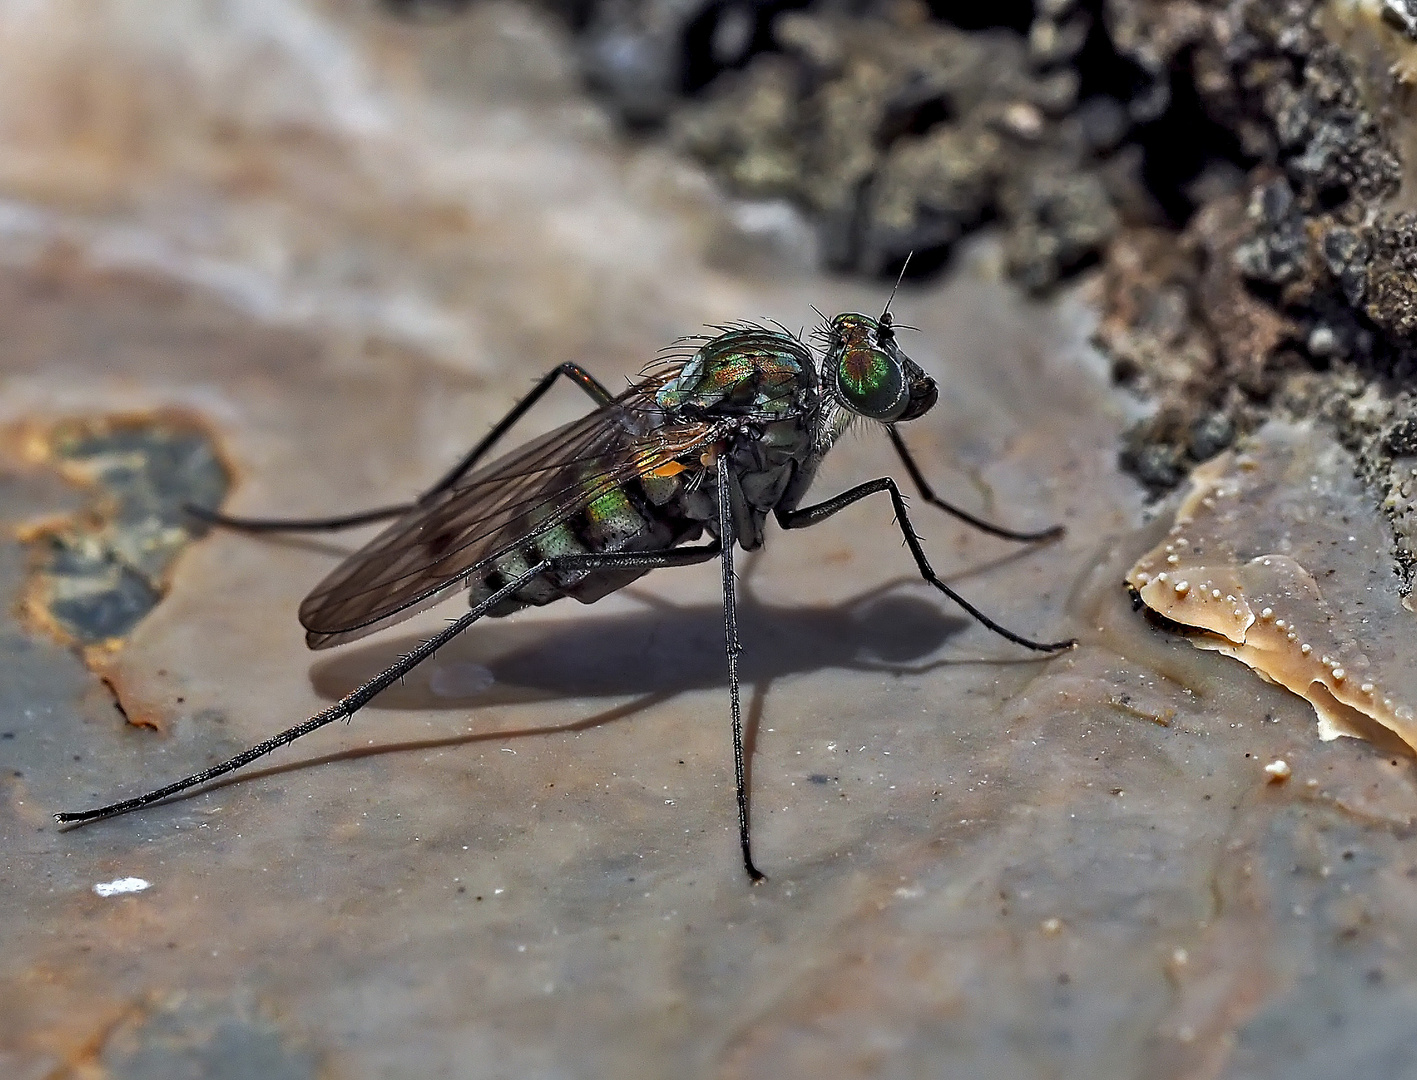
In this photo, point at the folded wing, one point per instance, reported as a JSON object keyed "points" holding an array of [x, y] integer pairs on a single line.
{"points": [[438, 546]]}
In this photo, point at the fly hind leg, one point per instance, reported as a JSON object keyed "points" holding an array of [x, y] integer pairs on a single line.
{"points": [[346, 707], [577, 374]]}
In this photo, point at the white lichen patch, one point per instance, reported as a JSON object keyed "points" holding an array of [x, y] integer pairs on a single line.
{"points": [[1242, 564]]}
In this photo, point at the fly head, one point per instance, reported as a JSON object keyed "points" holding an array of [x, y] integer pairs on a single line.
{"points": [[869, 374]]}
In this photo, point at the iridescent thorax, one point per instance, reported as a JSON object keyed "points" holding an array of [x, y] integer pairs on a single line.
{"points": [[747, 371]]}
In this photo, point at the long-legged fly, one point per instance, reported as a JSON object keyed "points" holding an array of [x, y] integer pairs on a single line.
{"points": [[721, 432]]}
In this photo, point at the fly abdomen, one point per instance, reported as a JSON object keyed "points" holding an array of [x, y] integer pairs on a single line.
{"points": [[622, 519], [509, 567]]}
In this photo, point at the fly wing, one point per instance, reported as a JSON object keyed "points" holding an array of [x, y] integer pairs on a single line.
{"points": [[436, 547]]}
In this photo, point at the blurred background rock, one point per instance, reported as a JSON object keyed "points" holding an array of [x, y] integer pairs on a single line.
{"points": [[1232, 170], [1237, 171]]}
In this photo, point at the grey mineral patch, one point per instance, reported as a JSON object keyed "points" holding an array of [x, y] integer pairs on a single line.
{"points": [[97, 573], [188, 1037]]}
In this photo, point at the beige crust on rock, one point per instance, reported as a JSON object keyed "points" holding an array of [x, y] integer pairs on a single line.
{"points": [[1230, 568]]}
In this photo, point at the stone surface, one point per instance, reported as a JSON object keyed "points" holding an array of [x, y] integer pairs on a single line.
{"points": [[523, 860]]}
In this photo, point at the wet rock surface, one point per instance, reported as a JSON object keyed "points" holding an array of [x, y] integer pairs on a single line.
{"points": [[523, 860]]}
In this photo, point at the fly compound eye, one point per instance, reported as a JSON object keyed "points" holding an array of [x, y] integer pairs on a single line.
{"points": [[872, 384]]}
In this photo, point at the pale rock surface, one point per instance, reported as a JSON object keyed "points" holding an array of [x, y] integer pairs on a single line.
{"points": [[349, 248]]}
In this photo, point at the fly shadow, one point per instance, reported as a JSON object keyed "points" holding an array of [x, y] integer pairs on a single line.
{"points": [[649, 656], [662, 650]]}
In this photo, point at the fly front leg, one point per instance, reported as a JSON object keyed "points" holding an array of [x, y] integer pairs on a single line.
{"points": [[928, 494], [810, 515], [722, 549], [577, 374], [347, 706], [735, 649]]}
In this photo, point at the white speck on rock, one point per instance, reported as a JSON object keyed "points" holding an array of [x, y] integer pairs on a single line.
{"points": [[119, 886]]}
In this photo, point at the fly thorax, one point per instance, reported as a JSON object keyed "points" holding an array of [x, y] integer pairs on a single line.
{"points": [[786, 440], [747, 370]]}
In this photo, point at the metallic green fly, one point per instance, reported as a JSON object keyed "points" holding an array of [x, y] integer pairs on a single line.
{"points": [[720, 433]]}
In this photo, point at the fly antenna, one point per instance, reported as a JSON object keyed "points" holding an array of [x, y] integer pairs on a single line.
{"points": [[886, 312]]}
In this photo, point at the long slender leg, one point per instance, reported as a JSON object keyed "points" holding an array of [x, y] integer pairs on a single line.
{"points": [[928, 494], [346, 707], [573, 371], [810, 515], [322, 524], [577, 374], [735, 647]]}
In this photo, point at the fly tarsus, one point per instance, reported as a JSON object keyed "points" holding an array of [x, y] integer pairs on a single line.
{"points": [[322, 524], [343, 709], [928, 494], [811, 515], [346, 707]]}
